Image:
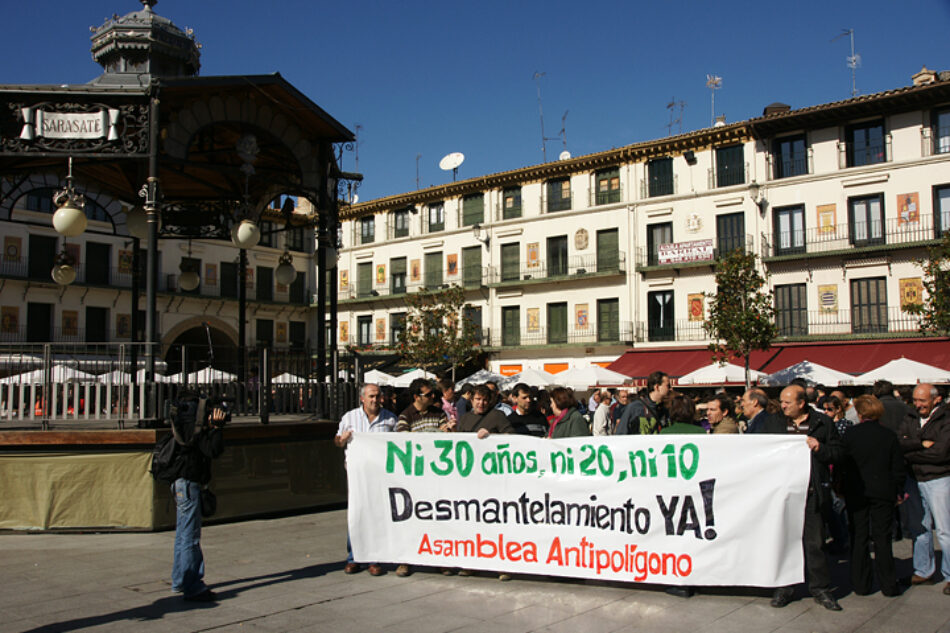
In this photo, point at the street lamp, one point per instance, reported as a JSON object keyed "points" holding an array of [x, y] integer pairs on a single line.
{"points": [[245, 234], [69, 219], [63, 271], [285, 273], [189, 279], [136, 222]]}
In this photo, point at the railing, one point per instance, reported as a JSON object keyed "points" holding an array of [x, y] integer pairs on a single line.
{"points": [[575, 266], [876, 320], [930, 145], [789, 168], [618, 332], [606, 197], [656, 187], [868, 155], [680, 330], [387, 289], [728, 175], [842, 237], [390, 342], [646, 258], [549, 205]]}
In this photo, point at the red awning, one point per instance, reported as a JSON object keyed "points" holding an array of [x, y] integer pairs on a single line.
{"points": [[852, 357]]}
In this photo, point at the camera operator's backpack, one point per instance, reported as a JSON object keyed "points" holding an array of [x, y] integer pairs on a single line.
{"points": [[184, 416]]}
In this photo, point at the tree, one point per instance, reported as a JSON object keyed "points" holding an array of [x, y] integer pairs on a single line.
{"points": [[437, 329], [934, 311], [741, 315]]}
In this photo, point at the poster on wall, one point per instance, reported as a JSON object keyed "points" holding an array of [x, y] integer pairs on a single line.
{"points": [[452, 264], [344, 332], [533, 253], [125, 262], [911, 291], [280, 332], [12, 247], [534, 319], [380, 329], [344, 279], [695, 306], [827, 217], [415, 270], [582, 316], [123, 325], [9, 319], [381, 274], [908, 208], [211, 274], [828, 297], [70, 322]]}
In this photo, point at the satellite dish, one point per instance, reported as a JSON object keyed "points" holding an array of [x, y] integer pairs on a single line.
{"points": [[452, 162], [564, 155], [356, 198]]}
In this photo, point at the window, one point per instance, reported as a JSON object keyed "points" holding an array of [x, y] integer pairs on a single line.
{"points": [[557, 323], [367, 230], [472, 267], [660, 316], [298, 289], [473, 209], [941, 209], [608, 251], [791, 310], [608, 186], [41, 257], [295, 239], [868, 305], [364, 279], [397, 327], [557, 256], [98, 260], [730, 233], [265, 283], [866, 220], [473, 315], [401, 223], [433, 271], [229, 280], [660, 177], [511, 203], [397, 275], [730, 166], [657, 235], [267, 234], [608, 319], [865, 144], [789, 229], [789, 157], [97, 324], [436, 217], [364, 330], [265, 332], [559, 195], [941, 131], [298, 334], [39, 321], [510, 263], [511, 326], [40, 200]]}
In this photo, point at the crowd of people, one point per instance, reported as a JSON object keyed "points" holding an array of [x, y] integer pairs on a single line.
{"points": [[880, 463]]}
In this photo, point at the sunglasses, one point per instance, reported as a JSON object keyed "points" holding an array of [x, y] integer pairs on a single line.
{"points": [[427, 394]]}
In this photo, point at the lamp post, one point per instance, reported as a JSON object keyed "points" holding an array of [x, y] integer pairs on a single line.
{"points": [[69, 220]]}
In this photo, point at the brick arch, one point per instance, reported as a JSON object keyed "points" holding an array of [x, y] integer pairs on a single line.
{"points": [[195, 322], [186, 123]]}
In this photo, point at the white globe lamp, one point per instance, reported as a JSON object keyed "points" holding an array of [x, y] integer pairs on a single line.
{"points": [[69, 220], [245, 234]]}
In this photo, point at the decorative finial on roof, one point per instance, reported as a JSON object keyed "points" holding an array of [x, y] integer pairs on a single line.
{"points": [[149, 4]]}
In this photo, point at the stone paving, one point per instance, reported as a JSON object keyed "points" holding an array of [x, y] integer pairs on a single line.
{"points": [[286, 575]]}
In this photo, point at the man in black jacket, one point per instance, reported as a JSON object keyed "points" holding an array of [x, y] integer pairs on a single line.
{"points": [[895, 411], [754, 403], [201, 444], [825, 445]]}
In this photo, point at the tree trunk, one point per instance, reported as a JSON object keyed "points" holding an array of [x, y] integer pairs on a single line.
{"points": [[748, 378]]}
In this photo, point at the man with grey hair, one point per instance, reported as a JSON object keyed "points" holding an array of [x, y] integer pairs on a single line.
{"points": [[369, 417], [926, 446], [754, 403]]}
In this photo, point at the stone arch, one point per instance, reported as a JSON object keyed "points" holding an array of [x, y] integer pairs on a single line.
{"points": [[186, 123], [195, 322], [14, 193]]}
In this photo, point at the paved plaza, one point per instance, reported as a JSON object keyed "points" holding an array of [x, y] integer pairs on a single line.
{"points": [[286, 574]]}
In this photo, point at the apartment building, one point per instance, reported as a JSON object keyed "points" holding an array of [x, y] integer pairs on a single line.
{"points": [[588, 259]]}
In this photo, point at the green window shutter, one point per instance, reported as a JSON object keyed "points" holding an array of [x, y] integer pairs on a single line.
{"points": [[364, 274], [608, 320], [472, 267], [557, 256], [433, 272], [557, 323], [608, 250], [510, 264], [397, 272], [511, 203], [473, 209], [511, 326], [608, 186]]}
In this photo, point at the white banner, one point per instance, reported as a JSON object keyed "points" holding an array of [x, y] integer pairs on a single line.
{"points": [[667, 509]]}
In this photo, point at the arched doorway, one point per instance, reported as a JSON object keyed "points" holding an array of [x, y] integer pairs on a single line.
{"points": [[192, 348]]}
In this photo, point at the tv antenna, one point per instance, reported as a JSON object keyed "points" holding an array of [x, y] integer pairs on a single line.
{"points": [[544, 139], [451, 162], [714, 83], [356, 152], [418, 156], [671, 106], [854, 60]]}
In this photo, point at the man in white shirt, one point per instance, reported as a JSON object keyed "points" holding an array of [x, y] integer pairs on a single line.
{"points": [[369, 417]]}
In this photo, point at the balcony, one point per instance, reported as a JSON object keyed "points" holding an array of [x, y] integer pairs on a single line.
{"points": [[389, 343], [681, 330], [873, 321], [577, 266], [468, 280], [839, 239], [695, 253], [616, 333]]}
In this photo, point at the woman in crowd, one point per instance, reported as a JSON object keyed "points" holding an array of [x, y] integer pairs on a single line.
{"points": [[568, 422]]}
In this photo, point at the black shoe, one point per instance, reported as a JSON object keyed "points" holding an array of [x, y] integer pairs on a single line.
{"points": [[782, 597], [825, 599], [205, 596], [681, 592]]}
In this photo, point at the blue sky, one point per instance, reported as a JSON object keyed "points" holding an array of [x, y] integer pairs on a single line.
{"points": [[431, 78]]}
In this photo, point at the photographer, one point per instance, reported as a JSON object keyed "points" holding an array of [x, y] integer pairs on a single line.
{"points": [[200, 444]]}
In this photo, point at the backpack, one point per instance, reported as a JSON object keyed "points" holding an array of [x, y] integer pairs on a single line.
{"points": [[168, 459]]}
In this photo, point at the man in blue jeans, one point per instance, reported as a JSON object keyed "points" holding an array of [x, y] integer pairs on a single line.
{"points": [[188, 569]]}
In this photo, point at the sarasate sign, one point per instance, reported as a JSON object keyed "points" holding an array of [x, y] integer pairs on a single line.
{"points": [[680, 252], [38, 123]]}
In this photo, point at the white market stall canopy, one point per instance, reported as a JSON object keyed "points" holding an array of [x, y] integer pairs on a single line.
{"points": [[532, 378], [480, 377], [58, 373], [716, 374], [904, 371], [585, 377], [405, 379], [376, 377], [287, 378], [811, 372]]}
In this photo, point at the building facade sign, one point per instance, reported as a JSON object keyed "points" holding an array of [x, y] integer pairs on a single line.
{"points": [[69, 125], [681, 252]]}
